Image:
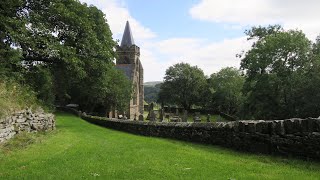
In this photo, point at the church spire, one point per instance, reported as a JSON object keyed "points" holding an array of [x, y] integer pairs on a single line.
{"points": [[127, 39]]}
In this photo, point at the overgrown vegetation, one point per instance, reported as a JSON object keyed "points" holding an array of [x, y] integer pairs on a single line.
{"points": [[63, 50], [84, 151], [14, 97], [279, 78]]}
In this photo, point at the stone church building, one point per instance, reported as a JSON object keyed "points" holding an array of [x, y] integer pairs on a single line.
{"points": [[128, 61]]}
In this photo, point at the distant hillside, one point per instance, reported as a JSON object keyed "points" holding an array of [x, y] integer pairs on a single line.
{"points": [[152, 83], [151, 91]]}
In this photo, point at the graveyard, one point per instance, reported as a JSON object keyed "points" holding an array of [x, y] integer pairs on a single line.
{"points": [[180, 116]]}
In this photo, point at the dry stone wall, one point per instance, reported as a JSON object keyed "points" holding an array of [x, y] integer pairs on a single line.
{"points": [[25, 121], [291, 137]]}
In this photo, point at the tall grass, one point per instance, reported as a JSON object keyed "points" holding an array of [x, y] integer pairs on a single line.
{"points": [[15, 97]]}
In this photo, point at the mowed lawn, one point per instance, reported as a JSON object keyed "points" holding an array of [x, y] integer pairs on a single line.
{"points": [[79, 150]]}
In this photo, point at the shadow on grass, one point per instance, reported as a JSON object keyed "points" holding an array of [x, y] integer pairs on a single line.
{"points": [[264, 158]]}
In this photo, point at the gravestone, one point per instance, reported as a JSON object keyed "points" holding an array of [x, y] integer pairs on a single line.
{"points": [[141, 117], [175, 119], [185, 116], [196, 117], [152, 116], [177, 112], [167, 117], [161, 118], [150, 109]]}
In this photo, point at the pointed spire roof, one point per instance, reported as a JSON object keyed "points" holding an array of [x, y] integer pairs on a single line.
{"points": [[127, 38]]}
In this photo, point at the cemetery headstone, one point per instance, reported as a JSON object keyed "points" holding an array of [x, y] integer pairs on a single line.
{"points": [[141, 117], [150, 109], [185, 116], [152, 116], [161, 115], [196, 117], [167, 117]]}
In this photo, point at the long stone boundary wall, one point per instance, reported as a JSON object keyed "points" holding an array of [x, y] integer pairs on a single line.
{"points": [[25, 121], [291, 137]]}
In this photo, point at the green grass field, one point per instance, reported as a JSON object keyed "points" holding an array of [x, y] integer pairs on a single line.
{"points": [[79, 150]]}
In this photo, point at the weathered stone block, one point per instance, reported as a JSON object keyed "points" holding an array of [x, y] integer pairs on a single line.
{"points": [[278, 127], [241, 126], [265, 127], [316, 125], [288, 126], [251, 127], [21, 120]]}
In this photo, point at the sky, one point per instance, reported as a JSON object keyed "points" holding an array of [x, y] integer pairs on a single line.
{"points": [[203, 33]]}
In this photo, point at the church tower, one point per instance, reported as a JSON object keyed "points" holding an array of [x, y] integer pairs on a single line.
{"points": [[128, 61]]}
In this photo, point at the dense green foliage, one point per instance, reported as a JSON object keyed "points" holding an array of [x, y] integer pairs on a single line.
{"points": [[79, 150], [183, 85], [63, 50], [282, 75], [225, 91], [151, 92], [279, 78]]}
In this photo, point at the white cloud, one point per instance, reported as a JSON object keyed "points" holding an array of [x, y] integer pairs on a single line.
{"points": [[209, 56], [117, 14], [290, 13], [157, 56]]}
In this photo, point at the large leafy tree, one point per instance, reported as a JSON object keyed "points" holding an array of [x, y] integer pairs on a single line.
{"points": [[309, 92], [65, 42], [10, 26], [183, 85], [151, 93], [275, 67], [225, 88]]}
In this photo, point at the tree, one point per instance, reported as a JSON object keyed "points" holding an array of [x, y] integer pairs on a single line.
{"points": [[10, 26], [183, 85], [275, 66], [151, 93], [309, 88], [65, 42], [225, 88]]}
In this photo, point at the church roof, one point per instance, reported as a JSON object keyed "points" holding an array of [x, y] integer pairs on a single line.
{"points": [[127, 38]]}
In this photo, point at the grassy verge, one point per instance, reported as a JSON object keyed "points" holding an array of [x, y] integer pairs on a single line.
{"points": [[79, 150]]}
